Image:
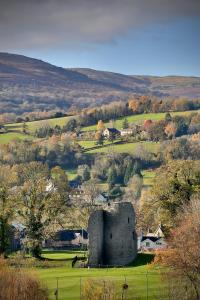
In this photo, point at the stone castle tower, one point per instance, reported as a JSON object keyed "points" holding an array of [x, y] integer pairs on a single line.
{"points": [[112, 236]]}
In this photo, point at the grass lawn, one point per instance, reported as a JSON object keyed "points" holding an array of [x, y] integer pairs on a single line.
{"points": [[32, 126], [148, 176], [71, 173], [70, 281], [140, 118], [58, 255], [126, 148], [5, 138]]}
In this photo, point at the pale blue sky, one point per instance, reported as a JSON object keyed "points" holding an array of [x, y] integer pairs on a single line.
{"points": [[124, 38]]}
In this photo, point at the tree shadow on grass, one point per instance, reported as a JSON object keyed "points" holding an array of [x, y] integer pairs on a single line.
{"points": [[142, 259]]}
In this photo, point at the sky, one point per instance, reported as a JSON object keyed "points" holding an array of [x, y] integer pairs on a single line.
{"points": [[144, 37]]}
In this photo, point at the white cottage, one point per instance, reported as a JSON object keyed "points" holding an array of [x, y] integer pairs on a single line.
{"points": [[152, 240]]}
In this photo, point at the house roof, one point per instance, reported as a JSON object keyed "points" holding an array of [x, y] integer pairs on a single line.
{"points": [[70, 235], [113, 130], [151, 238]]}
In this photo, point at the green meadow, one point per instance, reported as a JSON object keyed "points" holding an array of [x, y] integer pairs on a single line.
{"points": [[148, 176], [10, 136], [126, 148], [140, 118], [144, 281], [32, 126]]}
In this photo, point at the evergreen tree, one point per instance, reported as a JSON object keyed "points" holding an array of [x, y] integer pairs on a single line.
{"points": [[168, 117], [125, 124], [112, 176], [25, 128], [128, 172]]}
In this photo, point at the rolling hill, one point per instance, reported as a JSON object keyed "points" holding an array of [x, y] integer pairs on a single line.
{"points": [[28, 84]]}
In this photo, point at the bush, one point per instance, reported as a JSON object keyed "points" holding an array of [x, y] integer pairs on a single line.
{"points": [[99, 289], [18, 284]]}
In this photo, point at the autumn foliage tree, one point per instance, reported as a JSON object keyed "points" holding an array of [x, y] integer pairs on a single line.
{"points": [[100, 125], [182, 258]]}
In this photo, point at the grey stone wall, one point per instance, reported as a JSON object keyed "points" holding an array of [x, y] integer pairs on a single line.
{"points": [[112, 236], [96, 229]]}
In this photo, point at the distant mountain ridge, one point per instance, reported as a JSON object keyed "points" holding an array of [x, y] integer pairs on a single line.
{"points": [[28, 84]]}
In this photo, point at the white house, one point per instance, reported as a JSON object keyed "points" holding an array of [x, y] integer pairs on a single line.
{"points": [[111, 132], [152, 240], [127, 131]]}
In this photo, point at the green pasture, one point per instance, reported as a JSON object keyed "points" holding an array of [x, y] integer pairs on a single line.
{"points": [[32, 126], [143, 281], [7, 137], [140, 118], [126, 148], [148, 176], [61, 255], [71, 173]]}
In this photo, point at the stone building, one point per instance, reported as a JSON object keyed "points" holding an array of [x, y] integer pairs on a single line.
{"points": [[112, 236]]}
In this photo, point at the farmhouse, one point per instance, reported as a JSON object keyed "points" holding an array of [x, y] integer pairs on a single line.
{"points": [[127, 131], [108, 132], [67, 239], [78, 195], [153, 240], [2, 129]]}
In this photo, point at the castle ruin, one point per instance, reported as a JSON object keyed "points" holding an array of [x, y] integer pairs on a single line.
{"points": [[112, 236]]}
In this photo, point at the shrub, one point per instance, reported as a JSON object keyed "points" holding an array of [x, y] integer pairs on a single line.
{"points": [[98, 290], [18, 284]]}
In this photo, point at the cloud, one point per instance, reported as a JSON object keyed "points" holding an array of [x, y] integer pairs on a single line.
{"points": [[40, 24]]}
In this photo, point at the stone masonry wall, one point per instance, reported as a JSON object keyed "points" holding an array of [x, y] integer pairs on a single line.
{"points": [[112, 236]]}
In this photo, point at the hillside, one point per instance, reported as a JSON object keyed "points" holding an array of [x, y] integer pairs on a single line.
{"points": [[28, 84]]}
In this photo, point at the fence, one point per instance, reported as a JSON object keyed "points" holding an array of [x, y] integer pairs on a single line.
{"points": [[141, 286]]}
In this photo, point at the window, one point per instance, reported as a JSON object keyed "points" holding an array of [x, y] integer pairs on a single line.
{"points": [[133, 235], [128, 220], [147, 244], [111, 236]]}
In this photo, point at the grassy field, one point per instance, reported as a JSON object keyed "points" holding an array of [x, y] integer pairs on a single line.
{"points": [[148, 176], [71, 281], [32, 126], [60, 255], [126, 148], [15, 129], [10, 136], [139, 119], [71, 173]]}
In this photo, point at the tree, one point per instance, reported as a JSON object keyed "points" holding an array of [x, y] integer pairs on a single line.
{"points": [[134, 188], [174, 186], [133, 104], [170, 130], [128, 172], [112, 176], [112, 136], [40, 205], [84, 172], [60, 179], [100, 126], [181, 125], [182, 258], [125, 124], [99, 138], [7, 207], [70, 126], [156, 131], [25, 128], [168, 117]]}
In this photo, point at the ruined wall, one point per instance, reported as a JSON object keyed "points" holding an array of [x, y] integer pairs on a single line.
{"points": [[120, 240], [96, 237], [112, 236]]}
